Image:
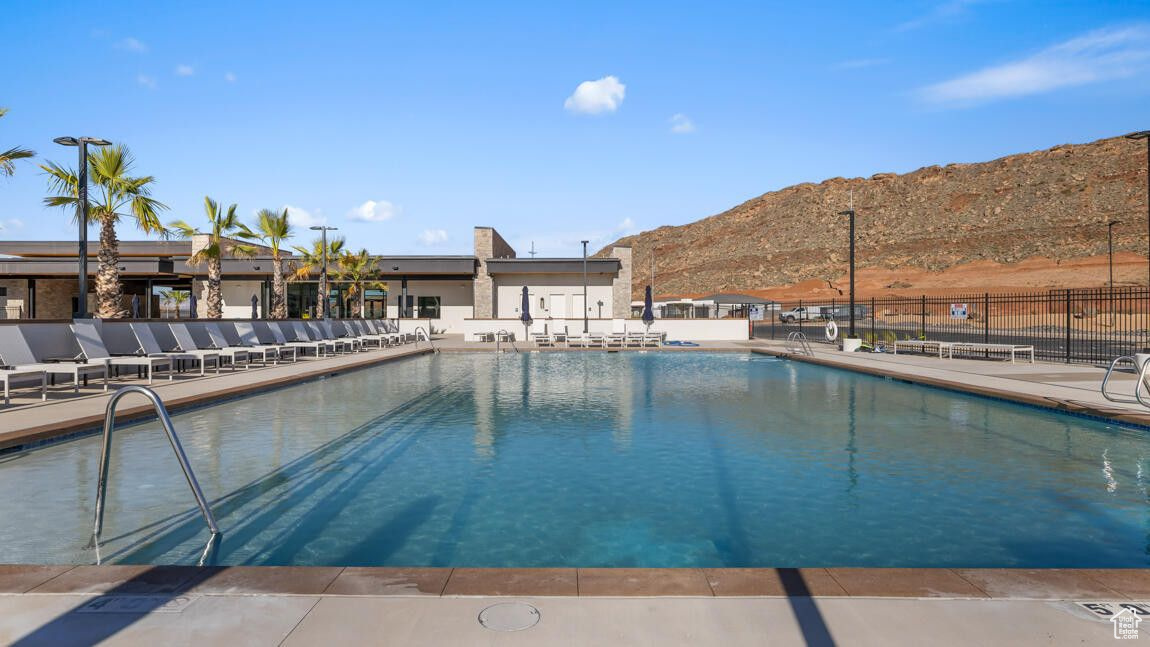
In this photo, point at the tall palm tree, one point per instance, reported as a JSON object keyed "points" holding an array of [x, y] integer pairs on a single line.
{"points": [[117, 195], [356, 268], [175, 298], [223, 224], [272, 229], [12, 154], [311, 260]]}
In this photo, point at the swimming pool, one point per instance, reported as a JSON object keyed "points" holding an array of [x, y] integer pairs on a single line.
{"points": [[596, 459]]}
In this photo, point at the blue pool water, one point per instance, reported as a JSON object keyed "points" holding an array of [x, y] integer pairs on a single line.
{"points": [[595, 459]]}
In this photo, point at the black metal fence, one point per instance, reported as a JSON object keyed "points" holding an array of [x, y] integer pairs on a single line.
{"points": [[1073, 326]]}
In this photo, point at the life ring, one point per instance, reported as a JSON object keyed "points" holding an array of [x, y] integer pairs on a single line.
{"points": [[832, 331]]}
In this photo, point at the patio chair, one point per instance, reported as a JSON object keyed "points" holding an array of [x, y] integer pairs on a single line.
{"points": [[92, 349], [220, 341], [280, 331], [17, 355], [150, 347], [185, 342], [324, 332], [9, 374], [249, 339], [542, 339], [304, 333]]}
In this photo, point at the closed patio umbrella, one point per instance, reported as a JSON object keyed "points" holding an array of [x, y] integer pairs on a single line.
{"points": [[648, 308], [191, 306], [255, 307], [135, 306], [525, 314]]}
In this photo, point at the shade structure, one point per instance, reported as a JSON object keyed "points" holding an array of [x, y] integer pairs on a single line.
{"points": [[135, 306], [648, 307]]}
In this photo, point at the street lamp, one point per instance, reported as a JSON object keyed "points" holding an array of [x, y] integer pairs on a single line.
{"points": [[851, 212], [82, 213], [1110, 247], [586, 306], [324, 308], [1145, 134]]}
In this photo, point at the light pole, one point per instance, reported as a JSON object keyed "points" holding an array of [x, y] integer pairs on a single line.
{"points": [[1145, 134], [586, 306], [82, 213], [851, 212], [323, 272]]}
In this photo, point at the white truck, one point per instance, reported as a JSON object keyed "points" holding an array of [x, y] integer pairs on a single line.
{"points": [[802, 313]]}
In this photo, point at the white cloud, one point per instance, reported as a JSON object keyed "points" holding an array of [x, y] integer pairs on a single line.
{"points": [[594, 97], [625, 225], [302, 218], [11, 223], [373, 211], [131, 45], [942, 12], [185, 70], [146, 81], [1096, 56], [229, 77], [861, 63], [432, 237], [681, 124]]}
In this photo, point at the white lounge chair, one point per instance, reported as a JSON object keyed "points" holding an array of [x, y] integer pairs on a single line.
{"points": [[151, 347], [9, 374], [924, 346], [303, 332], [187, 343], [1008, 349], [17, 354], [280, 331], [249, 339], [93, 350], [220, 341]]}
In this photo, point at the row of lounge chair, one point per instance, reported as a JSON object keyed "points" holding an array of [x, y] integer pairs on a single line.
{"points": [[948, 349], [599, 340], [232, 343]]}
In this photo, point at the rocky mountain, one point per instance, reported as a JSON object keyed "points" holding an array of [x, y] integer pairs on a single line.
{"points": [[1051, 204]]}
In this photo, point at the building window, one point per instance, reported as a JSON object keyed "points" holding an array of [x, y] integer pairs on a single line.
{"points": [[3, 292], [428, 308]]}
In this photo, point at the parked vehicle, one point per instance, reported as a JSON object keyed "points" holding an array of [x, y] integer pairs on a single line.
{"points": [[843, 313], [801, 313]]}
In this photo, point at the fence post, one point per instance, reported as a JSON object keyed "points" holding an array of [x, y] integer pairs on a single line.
{"points": [[922, 329], [986, 317], [873, 337], [1067, 325]]}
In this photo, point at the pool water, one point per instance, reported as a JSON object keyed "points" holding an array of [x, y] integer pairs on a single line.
{"points": [[597, 459]]}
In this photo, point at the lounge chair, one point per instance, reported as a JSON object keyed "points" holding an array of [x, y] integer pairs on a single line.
{"points": [[341, 345], [220, 341], [249, 339], [596, 340], [17, 354], [280, 331], [542, 339], [923, 346], [344, 337], [92, 349], [151, 347], [304, 333], [8, 374], [358, 330], [188, 343], [1011, 349]]}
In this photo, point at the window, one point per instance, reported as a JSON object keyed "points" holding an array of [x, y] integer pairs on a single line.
{"points": [[428, 308], [3, 292]]}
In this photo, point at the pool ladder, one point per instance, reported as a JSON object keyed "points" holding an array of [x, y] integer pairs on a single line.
{"points": [[1142, 372], [510, 339], [797, 344], [105, 455], [419, 329]]}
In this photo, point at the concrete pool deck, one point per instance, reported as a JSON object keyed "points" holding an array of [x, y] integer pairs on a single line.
{"points": [[62, 605]]}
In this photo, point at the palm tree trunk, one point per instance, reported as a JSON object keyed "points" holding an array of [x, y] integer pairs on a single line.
{"points": [[362, 302], [109, 292], [321, 299], [279, 296], [215, 299]]}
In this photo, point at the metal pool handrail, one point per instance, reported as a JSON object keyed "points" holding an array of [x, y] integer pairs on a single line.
{"points": [[510, 340], [105, 454], [797, 343], [419, 329], [1142, 372]]}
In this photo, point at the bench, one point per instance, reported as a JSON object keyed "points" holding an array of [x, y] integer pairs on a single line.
{"points": [[924, 346]]}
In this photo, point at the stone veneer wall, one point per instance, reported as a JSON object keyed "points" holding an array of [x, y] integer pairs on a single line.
{"points": [[488, 244], [621, 285]]}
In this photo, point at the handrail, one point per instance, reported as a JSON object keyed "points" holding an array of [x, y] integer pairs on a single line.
{"points": [[510, 340], [105, 455], [797, 343], [419, 329], [1142, 374]]}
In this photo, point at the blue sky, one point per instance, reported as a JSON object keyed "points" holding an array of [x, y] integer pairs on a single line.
{"points": [[406, 125]]}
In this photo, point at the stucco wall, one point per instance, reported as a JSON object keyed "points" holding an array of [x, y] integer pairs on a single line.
{"points": [[566, 288]]}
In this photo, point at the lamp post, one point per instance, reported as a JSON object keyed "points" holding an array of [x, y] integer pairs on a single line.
{"points": [[851, 212], [323, 272], [82, 213], [586, 306], [1145, 134]]}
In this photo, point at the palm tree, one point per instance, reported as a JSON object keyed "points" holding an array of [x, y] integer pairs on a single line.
{"points": [[176, 298], [272, 229], [117, 195], [355, 269], [311, 260], [12, 154], [219, 245]]}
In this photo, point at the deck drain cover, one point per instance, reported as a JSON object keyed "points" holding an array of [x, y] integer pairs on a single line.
{"points": [[509, 616]]}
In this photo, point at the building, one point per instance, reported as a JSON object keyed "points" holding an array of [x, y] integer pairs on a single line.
{"points": [[38, 280]]}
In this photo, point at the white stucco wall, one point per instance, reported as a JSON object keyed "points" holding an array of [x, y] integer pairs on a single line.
{"points": [[455, 301], [562, 295], [237, 297]]}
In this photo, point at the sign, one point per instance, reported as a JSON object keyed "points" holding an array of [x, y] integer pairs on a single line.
{"points": [[757, 312], [958, 311]]}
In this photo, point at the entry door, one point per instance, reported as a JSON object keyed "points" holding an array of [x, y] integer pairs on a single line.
{"points": [[558, 306]]}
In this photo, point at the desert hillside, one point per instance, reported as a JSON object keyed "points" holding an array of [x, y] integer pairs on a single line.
{"points": [[1031, 220]]}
